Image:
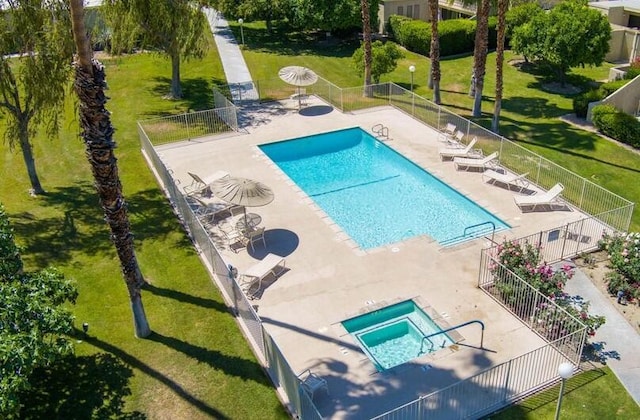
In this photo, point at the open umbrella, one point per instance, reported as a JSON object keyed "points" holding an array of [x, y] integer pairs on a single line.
{"points": [[242, 192], [298, 76]]}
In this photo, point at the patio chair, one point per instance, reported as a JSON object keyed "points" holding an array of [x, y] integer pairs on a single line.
{"points": [[476, 163], [549, 198], [200, 186], [255, 236], [468, 151], [311, 383], [209, 210], [508, 179], [251, 279], [447, 133]]}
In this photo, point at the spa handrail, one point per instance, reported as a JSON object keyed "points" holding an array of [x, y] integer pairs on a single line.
{"points": [[428, 337]]}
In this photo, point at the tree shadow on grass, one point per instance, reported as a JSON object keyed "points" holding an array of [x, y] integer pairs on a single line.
{"points": [[197, 93], [155, 374], [186, 298], [81, 387], [79, 227], [231, 365]]}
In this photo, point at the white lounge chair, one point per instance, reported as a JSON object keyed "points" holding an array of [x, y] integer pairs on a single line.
{"points": [[548, 198], [468, 151], [208, 210], [481, 163], [201, 185], [508, 179], [251, 279], [447, 133]]}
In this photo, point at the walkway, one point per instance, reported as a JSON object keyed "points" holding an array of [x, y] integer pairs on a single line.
{"points": [[235, 68], [618, 339]]}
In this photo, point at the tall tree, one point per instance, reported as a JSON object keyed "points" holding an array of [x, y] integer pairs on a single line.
{"points": [[34, 323], [434, 52], [503, 6], [480, 55], [366, 35], [97, 133], [384, 59], [35, 49], [176, 28]]}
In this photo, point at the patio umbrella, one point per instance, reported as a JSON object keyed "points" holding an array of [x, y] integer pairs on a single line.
{"points": [[242, 192], [298, 76]]}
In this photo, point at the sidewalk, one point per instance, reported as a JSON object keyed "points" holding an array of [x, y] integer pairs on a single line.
{"points": [[619, 340], [235, 68]]}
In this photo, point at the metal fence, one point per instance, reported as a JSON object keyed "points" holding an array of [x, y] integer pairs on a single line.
{"points": [[610, 208], [192, 125], [264, 347], [487, 391]]}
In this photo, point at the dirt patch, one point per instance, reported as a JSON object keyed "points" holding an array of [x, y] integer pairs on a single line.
{"points": [[595, 266]]}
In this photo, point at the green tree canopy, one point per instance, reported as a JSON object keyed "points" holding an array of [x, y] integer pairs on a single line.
{"points": [[35, 57], [174, 28], [33, 321], [569, 35], [385, 59]]}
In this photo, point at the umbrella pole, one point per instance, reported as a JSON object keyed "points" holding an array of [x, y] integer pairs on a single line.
{"points": [[299, 103]]}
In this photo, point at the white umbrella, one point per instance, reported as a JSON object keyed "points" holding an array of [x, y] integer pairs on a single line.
{"points": [[242, 192], [298, 76]]}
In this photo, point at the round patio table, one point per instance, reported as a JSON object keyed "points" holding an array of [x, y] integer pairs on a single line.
{"points": [[248, 222]]}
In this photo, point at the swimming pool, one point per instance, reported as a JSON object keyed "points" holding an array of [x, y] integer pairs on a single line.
{"points": [[396, 334], [373, 193]]}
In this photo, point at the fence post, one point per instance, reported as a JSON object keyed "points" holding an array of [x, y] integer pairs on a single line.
{"points": [[539, 166], [186, 123]]}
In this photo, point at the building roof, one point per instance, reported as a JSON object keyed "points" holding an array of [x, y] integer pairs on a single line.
{"points": [[626, 4]]}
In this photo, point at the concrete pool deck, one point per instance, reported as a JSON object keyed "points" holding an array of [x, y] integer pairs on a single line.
{"points": [[329, 279]]}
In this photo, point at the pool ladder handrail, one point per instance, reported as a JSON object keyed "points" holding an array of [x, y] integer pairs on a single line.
{"points": [[493, 231], [464, 324], [381, 131]]}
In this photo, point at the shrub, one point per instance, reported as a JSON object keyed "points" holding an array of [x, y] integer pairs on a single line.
{"points": [[581, 102], [617, 124], [624, 259], [634, 69], [608, 88]]}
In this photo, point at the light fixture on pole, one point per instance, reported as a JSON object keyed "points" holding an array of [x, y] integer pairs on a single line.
{"points": [[412, 69], [241, 21], [565, 370]]}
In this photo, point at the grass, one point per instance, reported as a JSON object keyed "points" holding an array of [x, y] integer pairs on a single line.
{"points": [[594, 394], [197, 364], [529, 112]]}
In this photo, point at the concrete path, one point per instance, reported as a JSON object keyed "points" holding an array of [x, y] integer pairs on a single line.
{"points": [[242, 88], [617, 340]]}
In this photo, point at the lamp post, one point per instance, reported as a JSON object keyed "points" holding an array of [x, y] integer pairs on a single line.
{"points": [[241, 21], [412, 69], [565, 370]]}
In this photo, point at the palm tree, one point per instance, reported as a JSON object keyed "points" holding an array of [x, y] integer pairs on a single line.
{"points": [[434, 54], [366, 34], [97, 133], [503, 5], [480, 56]]}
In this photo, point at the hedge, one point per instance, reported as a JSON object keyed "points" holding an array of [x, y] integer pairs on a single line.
{"points": [[581, 102], [617, 124], [457, 36]]}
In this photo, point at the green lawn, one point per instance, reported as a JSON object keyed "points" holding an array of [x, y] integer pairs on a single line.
{"points": [[197, 364]]}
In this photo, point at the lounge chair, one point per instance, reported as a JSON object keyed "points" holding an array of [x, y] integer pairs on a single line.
{"points": [[478, 163], [508, 179], [208, 210], [468, 151], [251, 279], [447, 133], [311, 383], [548, 198], [200, 186]]}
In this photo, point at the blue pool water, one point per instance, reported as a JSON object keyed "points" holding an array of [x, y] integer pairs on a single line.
{"points": [[376, 195], [395, 335]]}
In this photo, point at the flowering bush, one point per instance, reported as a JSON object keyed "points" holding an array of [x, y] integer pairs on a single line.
{"points": [[524, 260], [624, 258]]}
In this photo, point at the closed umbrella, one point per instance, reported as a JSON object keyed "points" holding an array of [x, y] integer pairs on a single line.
{"points": [[298, 76]]}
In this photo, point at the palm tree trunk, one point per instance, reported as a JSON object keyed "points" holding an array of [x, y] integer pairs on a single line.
{"points": [[368, 57], [434, 54], [480, 56], [97, 133], [503, 5]]}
